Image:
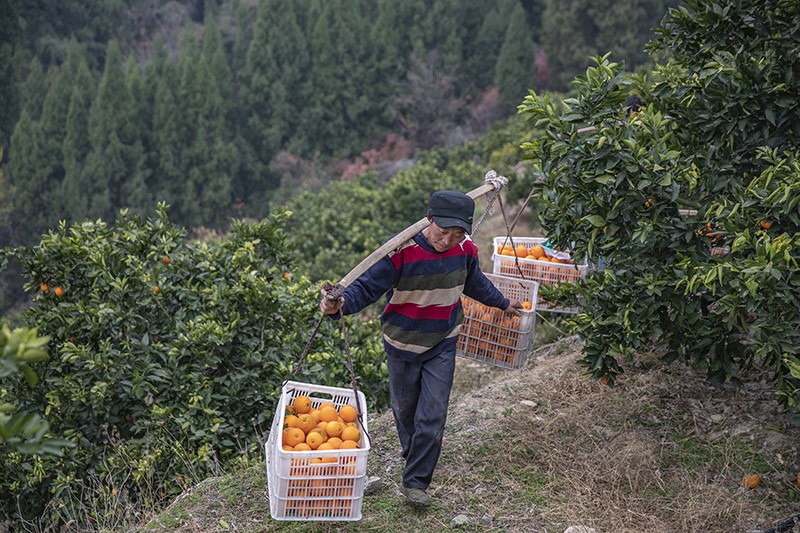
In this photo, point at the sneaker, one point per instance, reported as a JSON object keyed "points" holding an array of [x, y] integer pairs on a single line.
{"points": [[416, 496]]}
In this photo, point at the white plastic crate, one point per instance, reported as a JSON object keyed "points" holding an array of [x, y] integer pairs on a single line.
{"points": [[544, 272], [316, 485], [490, 336]]}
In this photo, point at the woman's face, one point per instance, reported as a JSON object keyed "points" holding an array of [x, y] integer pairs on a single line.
{"points": [[442, 239]]}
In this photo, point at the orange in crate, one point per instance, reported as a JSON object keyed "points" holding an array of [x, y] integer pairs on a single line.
{"points": [[306, 484], [540, 267], [489, 335]]}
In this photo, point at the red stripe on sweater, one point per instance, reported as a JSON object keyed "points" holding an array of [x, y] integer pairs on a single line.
{"points": [[418, 253], [430, 312]]}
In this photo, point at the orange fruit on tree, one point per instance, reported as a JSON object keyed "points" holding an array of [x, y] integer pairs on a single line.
{"points": [[59, 291], [328, 414], [286, 275], [45, 287], [766, 223], [166, 260], [348, 413], [751, 481], [293, 436], [350, 433], [302, 404]]}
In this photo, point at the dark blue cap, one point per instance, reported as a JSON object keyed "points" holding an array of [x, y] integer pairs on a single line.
{"points": [[451, 208]]}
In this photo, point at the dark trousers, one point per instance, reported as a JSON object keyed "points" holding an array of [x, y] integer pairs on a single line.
{"points": [[420, 394]]}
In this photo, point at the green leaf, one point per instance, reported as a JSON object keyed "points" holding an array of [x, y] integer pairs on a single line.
{"points": [[596, 220]]}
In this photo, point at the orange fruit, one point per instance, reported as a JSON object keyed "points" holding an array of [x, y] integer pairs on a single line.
{"points": [[336, 442], [314, 439], [321, 432], [302, 404], [348, 413], [334, 428], [325, 446], [521, 251], [306, 422], [166, 260], [350, 433], [285, 275], [315, 414], [302, 447], [751, 481], [59, 291], [293, 436], [154, 289], [45, 287], [287, 448], [348, 445], [290, 421], [323, 405], [537, 252], [328, 414], [527, 306], [798, 480], [766, 223]]}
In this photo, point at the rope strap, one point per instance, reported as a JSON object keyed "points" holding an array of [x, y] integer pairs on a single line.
{"points": [[498, 182]]}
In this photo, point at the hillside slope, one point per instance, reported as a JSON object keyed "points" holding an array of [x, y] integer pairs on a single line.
{"points": [[543, 448]]}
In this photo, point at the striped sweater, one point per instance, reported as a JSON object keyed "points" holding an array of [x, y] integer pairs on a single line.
{"points": [[423, 288]]}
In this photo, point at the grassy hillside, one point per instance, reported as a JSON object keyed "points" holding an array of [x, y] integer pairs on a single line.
{"points": [[543, 448]]}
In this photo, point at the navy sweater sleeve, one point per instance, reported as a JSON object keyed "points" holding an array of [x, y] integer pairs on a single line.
{"points": [[370, 286]]}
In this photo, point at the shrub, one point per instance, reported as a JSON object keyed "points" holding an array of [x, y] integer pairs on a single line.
{"points": [[170, 355]]}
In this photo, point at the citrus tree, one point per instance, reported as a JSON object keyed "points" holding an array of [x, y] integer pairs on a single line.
{"points": [[688, 208], [168, 356], [22, 432]]}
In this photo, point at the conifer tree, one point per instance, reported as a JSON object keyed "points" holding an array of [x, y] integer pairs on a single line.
{"points": [[33, 212], [53, 125], [439, 29], [482, 47], [214, 56], [514, 72], [168, 170], [205, 196], [276, 87], [135, 191], [113, 155], [76, 144], [34, 89]]}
